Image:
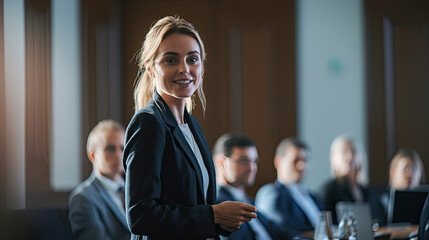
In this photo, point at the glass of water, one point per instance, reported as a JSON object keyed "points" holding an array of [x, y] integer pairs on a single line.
{"points": [[323, 229]]}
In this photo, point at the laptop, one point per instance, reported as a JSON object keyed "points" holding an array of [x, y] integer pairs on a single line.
{"points": [[362, 212], [405, 206]]}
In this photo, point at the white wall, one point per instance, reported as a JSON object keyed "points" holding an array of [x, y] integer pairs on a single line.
{"points": [[66, 95], [330, 74], [14, 50]]}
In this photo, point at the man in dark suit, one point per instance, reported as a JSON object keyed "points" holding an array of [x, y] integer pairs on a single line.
{"points": [[286, 202], [97, 205], [236, 160]]}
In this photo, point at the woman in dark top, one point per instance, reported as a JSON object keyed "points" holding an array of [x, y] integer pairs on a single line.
{"points": [[346, 165], [170, 180], [405, 171]]}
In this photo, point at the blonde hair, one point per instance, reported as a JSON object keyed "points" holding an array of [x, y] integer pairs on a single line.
{"points": [[145, 84], [418, 172], [361, 160], [95, 134]]}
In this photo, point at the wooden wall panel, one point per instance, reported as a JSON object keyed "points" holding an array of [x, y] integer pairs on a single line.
{"points": [[397, 53], [101, 67], [412, 84], [2, 128], [37, 101], [258, 98]]}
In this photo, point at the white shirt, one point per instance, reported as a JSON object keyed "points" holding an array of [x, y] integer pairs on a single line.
{"points": [[305, 202], [112, 189], [194, 146]]}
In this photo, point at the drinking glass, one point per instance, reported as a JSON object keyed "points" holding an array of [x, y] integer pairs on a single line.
{"points": [[323, 227]]}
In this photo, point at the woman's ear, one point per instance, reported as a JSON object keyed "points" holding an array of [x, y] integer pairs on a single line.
{"points": [[149, 71]]}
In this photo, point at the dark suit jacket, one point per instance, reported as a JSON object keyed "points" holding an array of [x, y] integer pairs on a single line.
{"points": [[164, 183], [424, 221], [245, 232], [275, 201], [337, 190], [94, 215]]}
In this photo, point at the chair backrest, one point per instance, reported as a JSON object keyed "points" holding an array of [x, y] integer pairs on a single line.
{"points": [[424, 222], [39, 223]]}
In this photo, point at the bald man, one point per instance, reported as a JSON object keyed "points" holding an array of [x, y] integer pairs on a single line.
{"points": [[96, 205]]}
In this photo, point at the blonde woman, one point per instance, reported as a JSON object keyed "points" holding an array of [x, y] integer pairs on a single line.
{"points": [[347, 164], [170, 177], [405, 171]]}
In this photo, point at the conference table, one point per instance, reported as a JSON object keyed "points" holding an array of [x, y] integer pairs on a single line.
{"points": [[396, 232], [401, 232]]}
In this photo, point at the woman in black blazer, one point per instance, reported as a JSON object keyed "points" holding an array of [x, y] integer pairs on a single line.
{"points": [[170, 179]]}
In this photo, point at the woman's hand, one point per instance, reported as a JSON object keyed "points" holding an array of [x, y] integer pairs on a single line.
{"points": [[231, 215]]}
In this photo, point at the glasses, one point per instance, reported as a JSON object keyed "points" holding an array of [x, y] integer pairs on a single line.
{"points": [[244, 161]]}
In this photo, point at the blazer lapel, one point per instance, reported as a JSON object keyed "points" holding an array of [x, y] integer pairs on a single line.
{"points": [[205, 153], [109, 202], [223, 190], [181, 140], [301, 216], [184, 145]]}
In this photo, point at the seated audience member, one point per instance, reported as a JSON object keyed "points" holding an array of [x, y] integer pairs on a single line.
{"points": [[236, 162], [423, 233], [405, 171], [96, 205], [346, 166], [286, 202]]}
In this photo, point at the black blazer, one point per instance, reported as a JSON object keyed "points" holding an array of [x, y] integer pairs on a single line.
{"points": [[164, 184], [337, 190], [245, 231]]}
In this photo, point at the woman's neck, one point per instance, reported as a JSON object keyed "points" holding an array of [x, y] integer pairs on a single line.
{"points": [[176, 105]]}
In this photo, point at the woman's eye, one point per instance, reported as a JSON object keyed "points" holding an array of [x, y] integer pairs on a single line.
{"points": [[170, 60], [193, 59]]}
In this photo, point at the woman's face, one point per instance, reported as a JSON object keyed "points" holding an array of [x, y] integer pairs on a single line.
{"points": [[401, 175], [344, 159], [178, 67]]}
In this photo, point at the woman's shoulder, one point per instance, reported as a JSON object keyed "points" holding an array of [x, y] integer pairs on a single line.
{"points": [[192, 120], [330, 186], [147, 116], [332, 182]]}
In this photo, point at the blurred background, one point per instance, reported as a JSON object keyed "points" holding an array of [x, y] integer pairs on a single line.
{"points": [[275, 68]]}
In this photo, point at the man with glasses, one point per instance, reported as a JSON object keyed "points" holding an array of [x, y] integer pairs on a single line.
{"points": [[286, 202], [236, 162]]}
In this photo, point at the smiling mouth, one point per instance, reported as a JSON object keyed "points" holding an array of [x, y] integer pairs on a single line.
{"points": [[182, 81]]}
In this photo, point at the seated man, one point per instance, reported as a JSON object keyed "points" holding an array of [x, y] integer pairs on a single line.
{"points": [[97, 205], [286, 202], [236, 160]]}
